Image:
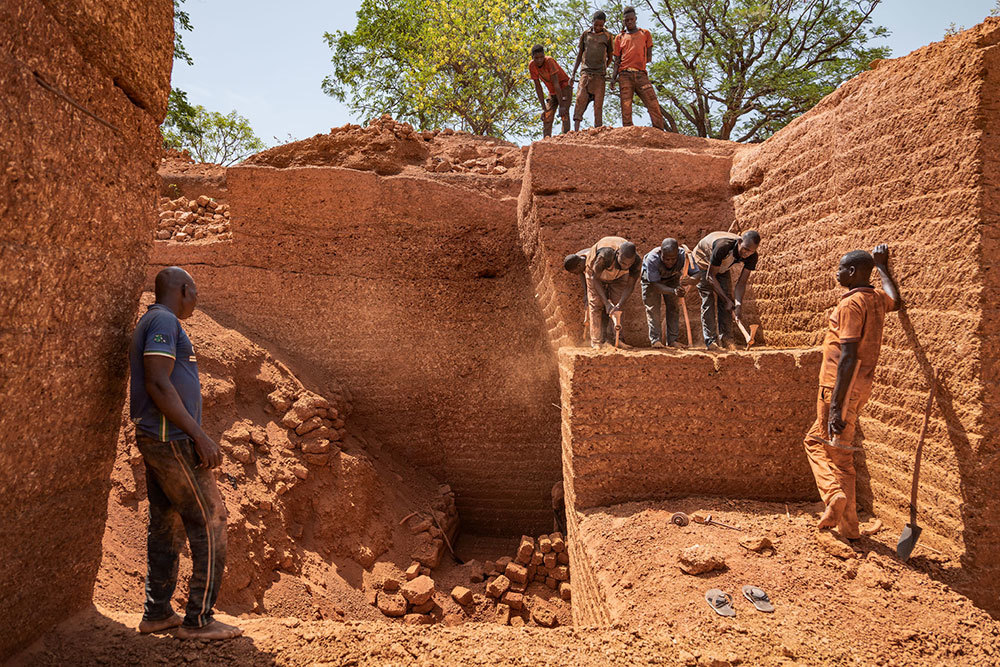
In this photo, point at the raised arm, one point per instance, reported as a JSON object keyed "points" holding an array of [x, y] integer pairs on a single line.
{"points": [[889, 286]]}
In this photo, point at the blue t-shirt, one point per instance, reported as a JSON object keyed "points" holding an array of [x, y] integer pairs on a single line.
{"points": [[159, 332], [654, 270]]}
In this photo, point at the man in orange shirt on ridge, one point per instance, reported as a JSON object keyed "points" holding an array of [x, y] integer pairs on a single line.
{"points": [[850, 352], [633, 49], [548, 70]]}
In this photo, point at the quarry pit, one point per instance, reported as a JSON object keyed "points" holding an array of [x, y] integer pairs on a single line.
{"points": [[392, 363]]}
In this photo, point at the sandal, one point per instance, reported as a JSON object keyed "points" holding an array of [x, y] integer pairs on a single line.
{"points": [[720, 602], [759, 599]]}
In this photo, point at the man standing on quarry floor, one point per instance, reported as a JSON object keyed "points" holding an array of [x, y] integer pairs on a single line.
{"points": [[715, 255], [850, 353], [611, 271], [165, 406]]}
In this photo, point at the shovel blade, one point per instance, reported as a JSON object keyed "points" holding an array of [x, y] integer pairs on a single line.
{"points": [[908, 540]]}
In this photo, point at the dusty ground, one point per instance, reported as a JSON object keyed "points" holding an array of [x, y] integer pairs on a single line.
{"points": [[871, 609]]}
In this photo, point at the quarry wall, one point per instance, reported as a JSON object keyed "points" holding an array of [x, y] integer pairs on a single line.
{"points": [[413, 293], [83, 87], [904, 154], [651, 425], [635, 182]]}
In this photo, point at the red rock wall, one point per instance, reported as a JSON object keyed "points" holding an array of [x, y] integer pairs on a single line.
{"points": [[904, 154], [413, 293], [635, 182], [650, 425], [77, 199]]}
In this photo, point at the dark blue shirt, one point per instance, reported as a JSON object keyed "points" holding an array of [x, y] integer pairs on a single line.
{"points": [[654, 270], [159, 333]]}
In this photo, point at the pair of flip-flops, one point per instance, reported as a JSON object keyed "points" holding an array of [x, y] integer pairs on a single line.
{"points": [[722, 603]]}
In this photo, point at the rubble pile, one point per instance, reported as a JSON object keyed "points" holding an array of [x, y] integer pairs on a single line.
{"points": [[184, 219]]}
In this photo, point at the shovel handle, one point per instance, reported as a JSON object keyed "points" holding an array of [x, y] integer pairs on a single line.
{"points": [[920, 449]]}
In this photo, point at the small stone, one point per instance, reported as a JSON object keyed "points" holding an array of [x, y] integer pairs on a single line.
{"points": [[391, 604], [310, 424], [502, 563], [549, 560], [525, 550], [698, 559], [300, 471], [517, 621], [558, 543], [544, 544], [391, 584], [202, 200], [516, 572], [537, 558], [873, 576], [163, 235], [412, 572], [418, 619], [562, 558], [551, 582], [316, 446], [461, 595], [424, 608], [560, 573], [834, 544], [544, 615], [497, 587], [452, 620], [503, 614], [565, 590], [513, 600], [758, 543], [418, 591], [317, 459]]}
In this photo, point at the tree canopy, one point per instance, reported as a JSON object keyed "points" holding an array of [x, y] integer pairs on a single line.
{"points": [[730, 69], [218, 138]]}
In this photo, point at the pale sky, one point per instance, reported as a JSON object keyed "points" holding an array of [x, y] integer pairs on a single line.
{"points": [[267, 59]]}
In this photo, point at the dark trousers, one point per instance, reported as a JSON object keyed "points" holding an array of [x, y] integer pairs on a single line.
{"points": [[561, 105], [711, 314], [637, 83], [652, 300], [182, 499], [592, 87]]}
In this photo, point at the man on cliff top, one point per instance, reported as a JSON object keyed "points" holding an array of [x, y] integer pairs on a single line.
{"points": [[595, 51], [611, 271], [715, 255], [165, 405], [633, 50], [850, 352], [545, 68]]}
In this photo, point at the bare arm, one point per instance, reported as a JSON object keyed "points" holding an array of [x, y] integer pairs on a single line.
{"points": [[159, 387], [541, 96], [628, 292], [889, 286], [845, 373], [595, 285], [579, 59], [739, 291], [614, 72]]}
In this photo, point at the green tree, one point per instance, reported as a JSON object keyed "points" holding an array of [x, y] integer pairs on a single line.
{"points": [[180, 119], [437, 63], [954, 29], [218, 138], [743, 69]]}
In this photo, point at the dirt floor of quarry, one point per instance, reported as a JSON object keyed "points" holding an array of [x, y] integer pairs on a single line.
{"points": [[868, 609]]}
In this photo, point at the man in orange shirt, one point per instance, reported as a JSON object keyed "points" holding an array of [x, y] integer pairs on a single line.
{"points": [[633, 49], [850, 353], [548, 70]]}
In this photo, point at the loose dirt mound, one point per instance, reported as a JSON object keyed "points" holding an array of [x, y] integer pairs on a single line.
{"points": [[386, 146], [180, 175], [311, 505]]}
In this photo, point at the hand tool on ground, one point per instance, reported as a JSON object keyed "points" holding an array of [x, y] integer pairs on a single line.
{"points": [[447, 542], [911, 532], [616, 317], [586, 325], [749, 335], [707, 519], [679, 519]]}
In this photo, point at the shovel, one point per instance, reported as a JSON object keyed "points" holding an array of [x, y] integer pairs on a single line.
{"points": [[616, 317], [911, 532]]}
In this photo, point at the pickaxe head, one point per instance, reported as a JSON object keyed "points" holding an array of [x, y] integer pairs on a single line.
{"points": [[753, 335]]}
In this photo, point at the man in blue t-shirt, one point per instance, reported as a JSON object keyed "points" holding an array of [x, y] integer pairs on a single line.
{"points": [[165, 405], [662, 272]]}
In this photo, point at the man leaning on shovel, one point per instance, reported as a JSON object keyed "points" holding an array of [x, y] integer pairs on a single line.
{"points": [[850, 353]]}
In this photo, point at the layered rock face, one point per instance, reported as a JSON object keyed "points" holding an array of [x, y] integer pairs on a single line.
{"points": [[905, 154], [413, 293], [83, 87]]}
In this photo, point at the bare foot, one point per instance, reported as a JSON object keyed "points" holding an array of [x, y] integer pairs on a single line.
{"points": [[833, 512], [214, 630], [172, 621], [677, 345], [656, 344]]}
